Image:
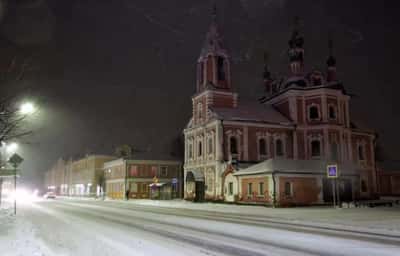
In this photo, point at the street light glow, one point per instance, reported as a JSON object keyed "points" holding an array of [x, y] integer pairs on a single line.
{"points": [[27, 108], [12, 147]]}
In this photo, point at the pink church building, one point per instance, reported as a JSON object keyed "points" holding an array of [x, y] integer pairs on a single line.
{"points": [[274, 150]]}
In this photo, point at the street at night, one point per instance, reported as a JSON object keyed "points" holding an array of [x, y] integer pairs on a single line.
{"points": [[88, 227]]}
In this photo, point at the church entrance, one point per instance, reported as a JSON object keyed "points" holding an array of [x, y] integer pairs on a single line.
{"points": [[195, 185]]}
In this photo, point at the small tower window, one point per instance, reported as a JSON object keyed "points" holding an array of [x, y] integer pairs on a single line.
{"points": [[262, 149], [210, 145], [200, 110], [221, 68], [190, 151], [279, 147], [200, 152], [315, 148], [233, 142], [313, 113], [361, 153], [332, 112]]}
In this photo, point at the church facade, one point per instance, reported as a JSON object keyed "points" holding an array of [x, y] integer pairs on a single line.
{"points": [[274, 150]]}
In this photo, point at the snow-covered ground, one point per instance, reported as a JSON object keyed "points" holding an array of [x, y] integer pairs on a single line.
{"points": [[145, 227]]}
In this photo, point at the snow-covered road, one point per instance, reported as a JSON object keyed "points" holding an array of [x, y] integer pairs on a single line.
{"points": [[68, 227]]}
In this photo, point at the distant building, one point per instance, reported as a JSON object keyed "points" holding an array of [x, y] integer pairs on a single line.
{"points": [[81, 177], [141, 176], [277, 148]]}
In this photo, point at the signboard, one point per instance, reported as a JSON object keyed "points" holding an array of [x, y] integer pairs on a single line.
{"points": [[174, 180], [332, 171]]}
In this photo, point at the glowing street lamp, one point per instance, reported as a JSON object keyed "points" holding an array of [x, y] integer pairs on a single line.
{"points": [[27, 108], [11, 148]]}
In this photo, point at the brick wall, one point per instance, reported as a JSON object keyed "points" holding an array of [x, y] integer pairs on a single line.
{"points": [[255, 196], [304, 191]]}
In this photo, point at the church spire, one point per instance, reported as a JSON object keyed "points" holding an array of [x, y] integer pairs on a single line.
{"points": [[213, 63], [331, 63], [296, 50]]}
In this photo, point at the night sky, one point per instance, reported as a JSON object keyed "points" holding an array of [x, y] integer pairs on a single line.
{"points": [[123, 71]]}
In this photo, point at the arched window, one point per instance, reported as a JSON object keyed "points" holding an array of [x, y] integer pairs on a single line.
{"points": [[233, 144], [332, 112], [313, 113], [210, 145], [279, 147], [220, 68], [334, 151], [262, 149], [315, 148], [361, 153], [200, 110], [190, 151], [200, 152]]}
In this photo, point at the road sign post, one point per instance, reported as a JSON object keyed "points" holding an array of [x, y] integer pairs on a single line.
{"points": [[332, 173], [15, 160]]}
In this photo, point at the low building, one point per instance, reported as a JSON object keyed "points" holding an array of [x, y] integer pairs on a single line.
{"points": [[286, 182], [389, 178], [137, 176], [81, 177]]}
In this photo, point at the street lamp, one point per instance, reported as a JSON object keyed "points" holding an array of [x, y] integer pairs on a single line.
{"points": [[11, 148], [27, 108]]}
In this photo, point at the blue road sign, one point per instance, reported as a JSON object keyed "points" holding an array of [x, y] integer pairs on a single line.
{"points": [[332, 171]]}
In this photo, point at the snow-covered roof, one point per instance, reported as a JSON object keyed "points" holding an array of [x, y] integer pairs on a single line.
{"points": [[282, 165], [254, 112]]}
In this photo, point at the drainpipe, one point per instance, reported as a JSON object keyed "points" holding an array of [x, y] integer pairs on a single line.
{"points": [[274, 189], [126, 180]]}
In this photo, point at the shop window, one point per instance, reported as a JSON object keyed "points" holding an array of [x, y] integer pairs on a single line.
{"points": [[233, 145], [261, 188], [163, 171], [315, 148], [313, 113], [230, 188], [279, 147], [288, 189], [262, 147]]}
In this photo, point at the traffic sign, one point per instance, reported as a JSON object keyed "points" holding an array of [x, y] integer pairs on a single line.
{"points": [[174, 180], [16, 160], [332, 171]]}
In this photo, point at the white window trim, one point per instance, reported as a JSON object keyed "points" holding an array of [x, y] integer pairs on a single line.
{"points": [[236, 134], [291, 189], [266, 137], [281, 137], [312, 138], [319, 112]]}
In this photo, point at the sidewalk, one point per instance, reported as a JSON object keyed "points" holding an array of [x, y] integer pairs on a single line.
{"points": [[384, 220]]}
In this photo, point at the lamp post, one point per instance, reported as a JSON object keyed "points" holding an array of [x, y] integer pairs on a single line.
{"points": [[15, 160]]}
